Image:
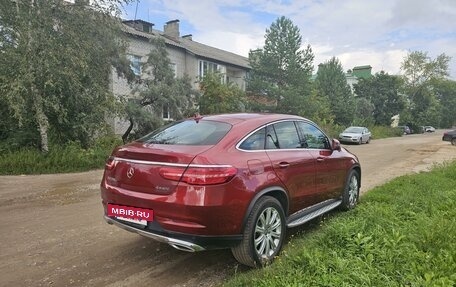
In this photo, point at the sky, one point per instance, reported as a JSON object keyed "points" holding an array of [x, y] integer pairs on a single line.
{"points": [[379, 33]]}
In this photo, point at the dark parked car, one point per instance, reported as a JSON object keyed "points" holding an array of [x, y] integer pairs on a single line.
{"points": [[405, 130], [228, 181], [450, 136]]}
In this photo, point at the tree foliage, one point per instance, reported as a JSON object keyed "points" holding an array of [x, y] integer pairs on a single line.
{"points": [[158, 89], [218, 97], [281, 71], [331, 84], [364, 111], [445, 91], [55, 66], [383, 91], [420, 72]]}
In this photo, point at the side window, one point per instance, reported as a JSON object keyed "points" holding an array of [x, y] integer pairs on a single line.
{"points": [[254, 141], [287, 135], [314, 137], [271, 138]]}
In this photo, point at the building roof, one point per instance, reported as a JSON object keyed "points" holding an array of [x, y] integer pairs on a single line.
{"points": [[363, 72], [193, 47], [362, 67]]}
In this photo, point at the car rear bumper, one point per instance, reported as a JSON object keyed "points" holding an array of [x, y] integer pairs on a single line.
{"points": [[183, 242], [176, 243]]}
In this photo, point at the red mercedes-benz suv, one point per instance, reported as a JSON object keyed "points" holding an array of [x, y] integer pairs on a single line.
{"points": [[228, 181]]}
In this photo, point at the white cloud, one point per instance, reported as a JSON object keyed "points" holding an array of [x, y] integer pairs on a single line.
{"points": [[237, 43], [388, 61]]}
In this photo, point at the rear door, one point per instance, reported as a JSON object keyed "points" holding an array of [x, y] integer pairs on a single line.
{"points": [[293, 164]]}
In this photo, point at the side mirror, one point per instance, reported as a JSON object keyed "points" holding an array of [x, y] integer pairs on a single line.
{"points": [[336, 144]]}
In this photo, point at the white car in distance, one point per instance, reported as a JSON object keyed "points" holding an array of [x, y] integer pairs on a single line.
{"points": [[356, 135]]}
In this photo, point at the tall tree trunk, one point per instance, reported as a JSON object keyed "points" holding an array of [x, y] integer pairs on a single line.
{"points": [[41, 119], [36, 94]]}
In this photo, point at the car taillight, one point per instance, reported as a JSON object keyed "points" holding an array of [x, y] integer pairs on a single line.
{"points": [[110, 163], [171, 173], [199, 175]]}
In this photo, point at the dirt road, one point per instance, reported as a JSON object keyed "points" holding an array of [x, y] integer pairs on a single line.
{"points": [[52, 232]]}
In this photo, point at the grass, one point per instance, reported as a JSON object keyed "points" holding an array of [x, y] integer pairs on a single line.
{"points": [[402, 234], [69, 158], [380, 132]]}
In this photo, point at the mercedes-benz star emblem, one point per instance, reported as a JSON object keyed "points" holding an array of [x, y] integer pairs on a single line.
{"points": [[130, 172]]}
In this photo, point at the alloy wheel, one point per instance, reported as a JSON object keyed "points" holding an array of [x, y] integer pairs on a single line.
{"points": [[353, 190], [268, 230]]}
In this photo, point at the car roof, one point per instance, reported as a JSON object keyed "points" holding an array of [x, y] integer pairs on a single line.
{"points": [[246, 123], [254, 118]]}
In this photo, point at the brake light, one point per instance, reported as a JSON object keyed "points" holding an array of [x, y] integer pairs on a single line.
{"points": [[110, 163], [199, 175], [171, 173]]}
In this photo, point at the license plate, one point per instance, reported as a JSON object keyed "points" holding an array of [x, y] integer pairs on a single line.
{"points": [[131, 214]]}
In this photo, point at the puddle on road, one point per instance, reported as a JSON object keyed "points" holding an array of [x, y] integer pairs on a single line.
{"points": [[427, 150], [423, 151], [68, 193], [58, 194]]}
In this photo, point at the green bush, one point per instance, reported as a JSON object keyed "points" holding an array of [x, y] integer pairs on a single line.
{"points": [[380, 132], [70, 157]]}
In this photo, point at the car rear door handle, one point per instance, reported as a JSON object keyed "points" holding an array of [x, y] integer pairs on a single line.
{"points": [[283, 164]]}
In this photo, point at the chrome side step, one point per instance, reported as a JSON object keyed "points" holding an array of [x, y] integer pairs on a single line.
{"points": [[311, 212]]}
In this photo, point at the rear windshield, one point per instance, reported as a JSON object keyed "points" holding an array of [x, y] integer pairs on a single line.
{"points": [[189, 132]]}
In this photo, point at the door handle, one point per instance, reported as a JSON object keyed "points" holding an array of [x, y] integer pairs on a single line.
{"points": [[320, 159], [283, 165]]}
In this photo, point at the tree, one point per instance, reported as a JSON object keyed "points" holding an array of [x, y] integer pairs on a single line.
{"points": [[156, 91], [420, 72], [218, 97], [364, 110], [332, 84], [445, 91], [281, 71], [56, 63], [382, 90]]}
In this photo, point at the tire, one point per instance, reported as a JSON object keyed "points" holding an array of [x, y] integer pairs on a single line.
{"points": [[360, 141], [368, 140], [350, 197], [453, 141], [263, 234]]}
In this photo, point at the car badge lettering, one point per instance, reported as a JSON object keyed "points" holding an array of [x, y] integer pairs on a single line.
{"points": [[130, 172]]}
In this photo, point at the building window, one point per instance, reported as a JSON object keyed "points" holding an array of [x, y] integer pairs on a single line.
{"points": [[135, 64], [165, 112], [174, 69], [206, 67]]}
